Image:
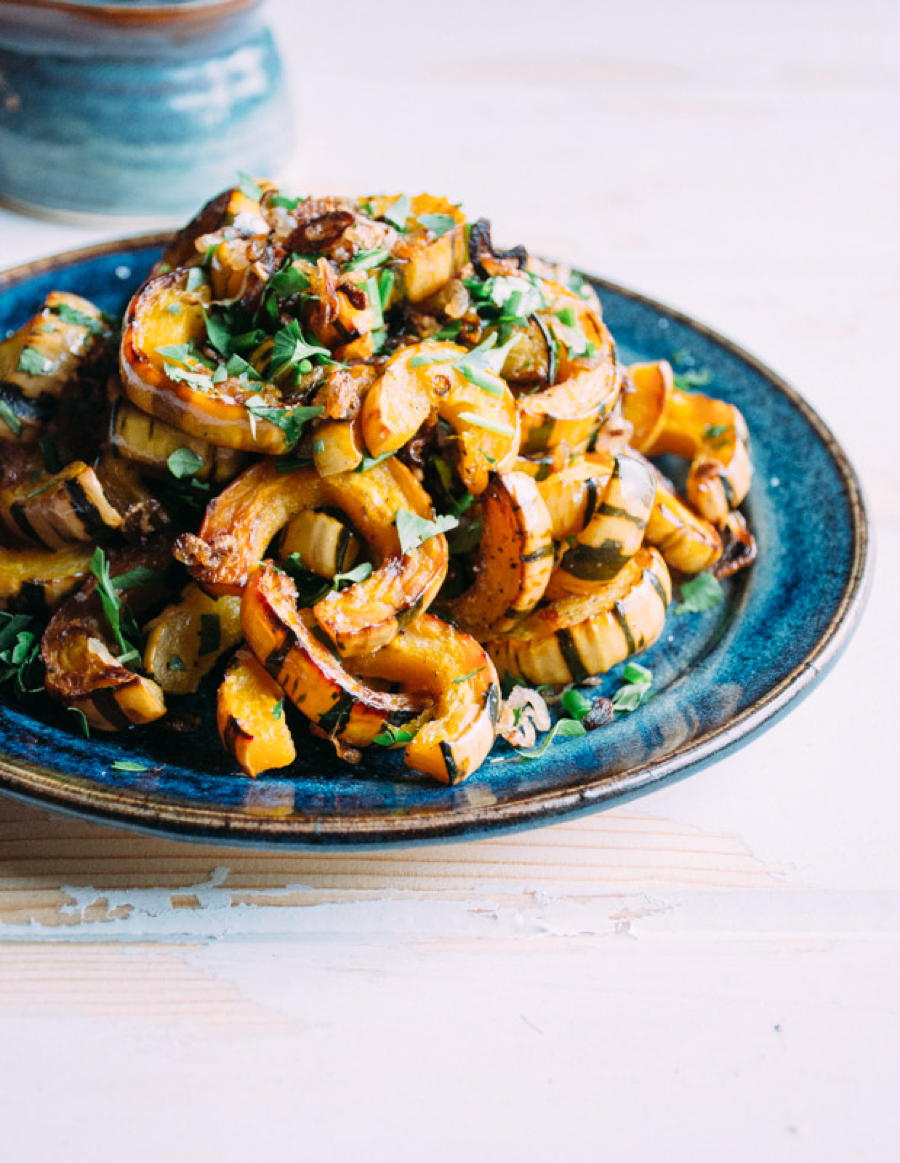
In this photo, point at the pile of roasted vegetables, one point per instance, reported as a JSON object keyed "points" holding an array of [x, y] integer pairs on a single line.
{"points": [[344, 452]]}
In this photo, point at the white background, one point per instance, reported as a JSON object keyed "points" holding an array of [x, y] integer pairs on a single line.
{"points": [[708, 972]]}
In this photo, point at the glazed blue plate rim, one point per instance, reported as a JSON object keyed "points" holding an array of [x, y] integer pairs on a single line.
{"points": [[46, 786]]}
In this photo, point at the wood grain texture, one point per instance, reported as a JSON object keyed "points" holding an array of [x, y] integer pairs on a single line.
{"points": [[709, 972]]}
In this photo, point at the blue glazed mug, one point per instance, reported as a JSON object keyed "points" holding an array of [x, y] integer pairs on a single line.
{"points": [[140, 108]]}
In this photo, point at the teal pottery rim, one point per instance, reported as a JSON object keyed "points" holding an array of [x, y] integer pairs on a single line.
{"points": [[707, 710]]}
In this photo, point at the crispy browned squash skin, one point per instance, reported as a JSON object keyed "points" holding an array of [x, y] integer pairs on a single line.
{"points": [[68, 507], [288, 644], [579, 636], [514, 557], [399, 403], [458, 674], [250, 717], [243, 519], [711, 433]]}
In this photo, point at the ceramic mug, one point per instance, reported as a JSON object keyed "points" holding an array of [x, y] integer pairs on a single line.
{"points": [[143, 108]]}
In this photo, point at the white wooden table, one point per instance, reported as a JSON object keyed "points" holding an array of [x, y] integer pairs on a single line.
{"points": [[709, 972]]}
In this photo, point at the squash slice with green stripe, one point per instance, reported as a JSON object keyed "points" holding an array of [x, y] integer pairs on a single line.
{"points": [[576, 637]]}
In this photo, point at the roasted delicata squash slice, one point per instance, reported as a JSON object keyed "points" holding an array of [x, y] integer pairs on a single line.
{"points": [[576, 637], [325, 544], [573, 493], [67, 507], [250, 717], [431, 378], [337, 447], [41, 360], [188, 637], [289, 645], [613, 534], [711, 433], [426, 257], [148, 442], [514, 557], [232, 208], [41, 578], [458, 674], [572, 410], [163, 374], [243, 519], [686, 541]]}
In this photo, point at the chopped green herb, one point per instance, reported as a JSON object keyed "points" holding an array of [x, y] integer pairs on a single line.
{"points": [[10, 419], [217, 332], [82, 720], [425, 358], [566, 316], [702, 592], [291, 347], [201, 380], [195, 279], [116, 616], [576, 704], [318, 447], [19, 651], [210, 633], [471, 674], [128, 765], [289, 420], [287, 281], [368, 462], [32, 363], [413, 530], [438, 224], [711, 431], [248, 339], [286, 203], [367, 259], [562, 729], [449, 330], [176, 662], [399, 212], [291, 463], [184, 462], [357, 574], [174, 308], [686, 381], [488, 425], [139, 576], [386, 280], [72, 315], [248, 186], [391, 735], [278, 709], [185, 353], [635, 690]]}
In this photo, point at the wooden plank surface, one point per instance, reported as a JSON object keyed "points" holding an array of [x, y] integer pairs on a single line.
{"points": [[709, 970]]}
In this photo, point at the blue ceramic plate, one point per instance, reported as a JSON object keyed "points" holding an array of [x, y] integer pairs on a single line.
{"points": [[719, 676]]}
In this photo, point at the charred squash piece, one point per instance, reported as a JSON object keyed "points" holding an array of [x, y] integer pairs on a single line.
{"points": [[142, 514], [324, 544], [686, 541], [41, 577], [136, 436], [457, 672], [165, 314], [289, 645], [40, 361], [711, 433], [614, 533], [576, 637], [573, 493], [514, 557], [250, 717], [243, 519], [186, 640], [69, 506], [230, 208], [368, 613], [573, 410], [425, 379]]}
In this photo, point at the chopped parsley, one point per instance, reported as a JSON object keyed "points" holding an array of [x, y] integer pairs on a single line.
{"points": [[291, 348], [368, 462], [367, 259], [32, 363], [195, 279], [278, 709], [118, 618], [248, 187], [19, 651], [399, 212], [391, 735], [71, 314], [413, 530], [139, 576], [291, 421], [562, 729], [437, 224], [287, 281], [10, 419], [692, 378], [576, 704], [286, 203], [184, 462], [635, 690], [702, 592], [357, 574], [487, 424]]}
